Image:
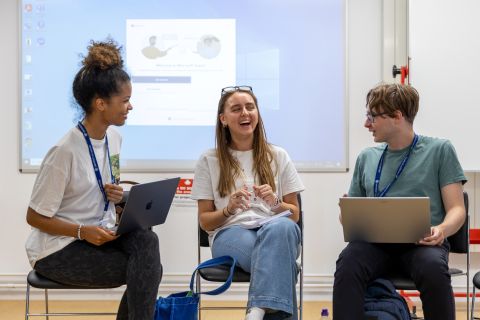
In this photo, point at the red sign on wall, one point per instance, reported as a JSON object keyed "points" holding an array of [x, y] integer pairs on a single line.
{"points": [[185, 186]]}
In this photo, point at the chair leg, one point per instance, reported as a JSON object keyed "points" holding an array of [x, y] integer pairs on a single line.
{"points": [[46, 304], [468, 287], [473, 304], [301, 294], [198, 288], [27, 303]]}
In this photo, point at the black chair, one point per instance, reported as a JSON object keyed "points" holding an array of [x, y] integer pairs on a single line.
{"points": [[459, 243], [476, 284], [37, 281], [220, 274]]}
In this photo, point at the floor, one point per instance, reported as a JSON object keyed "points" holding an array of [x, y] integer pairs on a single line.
{"points": [[15, 310]]}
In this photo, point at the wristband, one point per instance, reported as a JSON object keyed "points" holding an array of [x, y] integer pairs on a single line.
{"points": [[276, 204], [79, 229], [223, 212]]}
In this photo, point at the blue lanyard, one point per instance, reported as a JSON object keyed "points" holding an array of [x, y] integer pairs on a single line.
{"points": [[98, 174], [402, 165]]}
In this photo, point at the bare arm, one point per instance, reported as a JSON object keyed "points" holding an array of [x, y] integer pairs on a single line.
{"points": [[290, 202], [55, 226], [452, 196], [211, 218]]}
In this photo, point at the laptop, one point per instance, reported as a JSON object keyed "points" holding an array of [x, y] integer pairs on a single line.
{"points": [[385, 219], [147, 205]]}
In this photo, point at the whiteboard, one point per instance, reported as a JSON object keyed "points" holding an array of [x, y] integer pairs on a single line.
{"points": [[179, 55], [444, 47]]}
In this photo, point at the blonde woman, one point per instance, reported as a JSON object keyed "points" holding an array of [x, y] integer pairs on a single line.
{"points": [[240, 183]]}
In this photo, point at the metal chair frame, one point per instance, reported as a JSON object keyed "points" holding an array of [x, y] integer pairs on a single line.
{"points": [[35, 280], [476, 284], [242, 276]]}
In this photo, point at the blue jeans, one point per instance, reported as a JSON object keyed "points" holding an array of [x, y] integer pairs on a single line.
{"points": [[269, 254]]}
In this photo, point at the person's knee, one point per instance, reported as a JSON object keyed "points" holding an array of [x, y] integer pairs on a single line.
{"points": [[348, 263], [282, 227], [146, 236], [432, 273]]}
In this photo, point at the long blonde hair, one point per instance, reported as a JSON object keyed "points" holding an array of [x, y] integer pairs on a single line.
{"points": [[230, 169]]}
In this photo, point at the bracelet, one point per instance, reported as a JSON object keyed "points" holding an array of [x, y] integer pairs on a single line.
{"points": [[79, 229], [277, 203], [223, 212], [228, 211]]}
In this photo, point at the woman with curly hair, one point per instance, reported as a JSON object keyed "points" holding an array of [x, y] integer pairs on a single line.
{"points": [[72, 207]]}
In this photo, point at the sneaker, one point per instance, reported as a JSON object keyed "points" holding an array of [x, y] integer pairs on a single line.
{"points": [[254, 313]]}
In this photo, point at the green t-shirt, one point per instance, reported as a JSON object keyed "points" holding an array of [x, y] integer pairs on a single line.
{"points": [[432, 165]]}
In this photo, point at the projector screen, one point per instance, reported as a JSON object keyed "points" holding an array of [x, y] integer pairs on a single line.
{"points": [[179, 55]]}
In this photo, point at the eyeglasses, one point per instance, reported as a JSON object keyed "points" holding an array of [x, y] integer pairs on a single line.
{"points": [[371, 116], [236, 88]]}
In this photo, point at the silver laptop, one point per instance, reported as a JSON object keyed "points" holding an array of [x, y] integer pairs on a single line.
{"points": [[147, 205], [385, 219]]}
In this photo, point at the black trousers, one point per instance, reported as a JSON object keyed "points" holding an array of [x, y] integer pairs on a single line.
{"points": [[360, 263], [132, 259]]}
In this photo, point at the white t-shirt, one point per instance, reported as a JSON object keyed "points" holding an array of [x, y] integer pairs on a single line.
{"points": [[207, 172], [66, 188]]}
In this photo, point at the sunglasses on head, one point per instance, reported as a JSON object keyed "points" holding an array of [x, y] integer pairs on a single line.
{"points": [[236, 88]]}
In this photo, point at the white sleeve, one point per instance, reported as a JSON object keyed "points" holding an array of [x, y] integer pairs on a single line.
{"points": [[289, 179], [202, 188], [51, 182]]}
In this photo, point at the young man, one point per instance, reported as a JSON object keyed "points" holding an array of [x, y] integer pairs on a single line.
{"points": [[405, 165]]}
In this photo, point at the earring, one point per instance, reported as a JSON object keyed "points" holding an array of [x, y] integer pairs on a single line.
{"points": [[224, 124]]}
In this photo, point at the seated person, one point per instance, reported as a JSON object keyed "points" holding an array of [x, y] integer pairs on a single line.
{"points": [[244, 180], [72, 207], [405, 165]]}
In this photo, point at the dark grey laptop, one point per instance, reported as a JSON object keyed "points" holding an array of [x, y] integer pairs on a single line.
{"points": [[147, 205], [385, 219]]}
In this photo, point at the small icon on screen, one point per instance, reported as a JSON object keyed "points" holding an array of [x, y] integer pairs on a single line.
{"points": [[40, 8], [41, 41], [28, 58], [28, 7], [27, 26], [27, 76], [28, 142], [28, 41], [41, 25], [28, 92]]}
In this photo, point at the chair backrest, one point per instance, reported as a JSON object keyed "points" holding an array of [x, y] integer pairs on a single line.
{"points": [[203, 235], [459, 242]]}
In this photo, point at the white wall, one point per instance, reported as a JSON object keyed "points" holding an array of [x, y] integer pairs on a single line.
{"points": [[323, 234]]}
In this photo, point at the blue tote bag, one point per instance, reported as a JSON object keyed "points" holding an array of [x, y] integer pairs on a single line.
{"points": [[184, 305]]}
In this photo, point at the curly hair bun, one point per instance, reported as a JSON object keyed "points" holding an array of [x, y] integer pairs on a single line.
{"points": [[103, 55]]}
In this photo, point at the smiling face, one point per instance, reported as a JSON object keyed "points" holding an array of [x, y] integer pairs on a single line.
{"points": [[240, 115], [116, 108]]}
